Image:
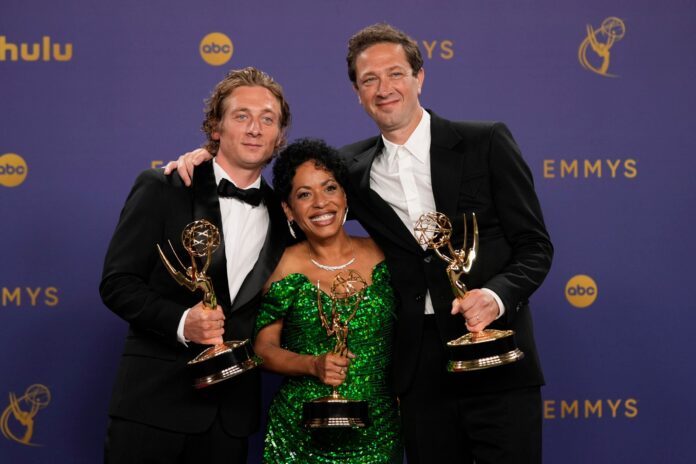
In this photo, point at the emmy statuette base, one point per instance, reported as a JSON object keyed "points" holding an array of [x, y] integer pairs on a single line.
{"points": [[222, 362], [488, 348], [335, 412], [484, 363]]}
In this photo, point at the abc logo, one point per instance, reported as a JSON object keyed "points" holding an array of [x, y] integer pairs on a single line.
{"points": [[216, 49], [581, 291], [13, 170]]}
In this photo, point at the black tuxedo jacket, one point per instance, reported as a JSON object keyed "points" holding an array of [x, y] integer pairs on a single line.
{"points": [[475, 168], [152, 385]]}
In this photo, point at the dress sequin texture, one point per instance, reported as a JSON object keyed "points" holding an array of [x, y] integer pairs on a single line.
{"points": [[294, 299]]}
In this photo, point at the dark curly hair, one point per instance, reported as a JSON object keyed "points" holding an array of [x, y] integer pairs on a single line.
{"points": [[381, 33], [299, 152]]}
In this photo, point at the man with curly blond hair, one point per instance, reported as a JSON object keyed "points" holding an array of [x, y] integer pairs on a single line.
{"points": [[155, 414]]}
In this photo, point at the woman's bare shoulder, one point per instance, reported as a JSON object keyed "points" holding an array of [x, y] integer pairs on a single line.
{"points": [[288, 264]]}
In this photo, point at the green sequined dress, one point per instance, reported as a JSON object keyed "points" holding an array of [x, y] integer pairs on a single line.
{"points": [[294, 299]]}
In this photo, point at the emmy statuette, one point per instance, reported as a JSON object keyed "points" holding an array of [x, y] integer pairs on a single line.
{"points": [[228, 359], [335, 411], [474, 350]]}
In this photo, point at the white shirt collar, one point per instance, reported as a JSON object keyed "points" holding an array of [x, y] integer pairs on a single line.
{"points": [[418, 144]]}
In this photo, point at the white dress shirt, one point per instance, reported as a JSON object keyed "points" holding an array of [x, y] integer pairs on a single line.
{"points": [[244, 229], [401, 176]]}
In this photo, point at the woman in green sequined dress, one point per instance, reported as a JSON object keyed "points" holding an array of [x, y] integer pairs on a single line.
{"points": [[291, 338]]}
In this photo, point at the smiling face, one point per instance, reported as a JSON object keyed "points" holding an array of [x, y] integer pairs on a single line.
{"points": [[249, 131], [317, 202], [388, 90]]}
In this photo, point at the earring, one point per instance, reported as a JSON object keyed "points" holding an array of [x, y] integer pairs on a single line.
{"points": [[345, 216], [292, 231]]}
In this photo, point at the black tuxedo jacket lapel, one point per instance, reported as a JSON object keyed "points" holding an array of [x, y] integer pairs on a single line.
{"points": [[384, 218], [206, 205], [446, 166]]}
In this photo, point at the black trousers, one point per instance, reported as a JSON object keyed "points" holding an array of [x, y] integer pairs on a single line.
{"points": [[134, 443], [445, 426]]}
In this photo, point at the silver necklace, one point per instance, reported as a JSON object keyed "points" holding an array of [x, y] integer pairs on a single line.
{"points": [[332, 268], [338, 267]]}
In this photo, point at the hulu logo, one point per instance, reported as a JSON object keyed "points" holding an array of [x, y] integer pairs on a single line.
{"points": [[43, 51]]}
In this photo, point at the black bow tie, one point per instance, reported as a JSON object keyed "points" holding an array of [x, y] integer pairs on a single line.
{"points": [[252, 196]]}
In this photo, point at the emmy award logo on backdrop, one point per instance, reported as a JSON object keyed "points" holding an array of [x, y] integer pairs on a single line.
{"points": [[474, 350], [335, 411], [221, 362], [600, 41], [17, 420]]}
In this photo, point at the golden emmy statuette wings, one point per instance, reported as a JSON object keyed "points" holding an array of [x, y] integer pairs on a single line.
{"points": [[474, 350], [335, 411], [231, 358]]}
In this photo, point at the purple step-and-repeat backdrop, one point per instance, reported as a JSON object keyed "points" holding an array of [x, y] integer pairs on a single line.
{"points": [[599, 94]]}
